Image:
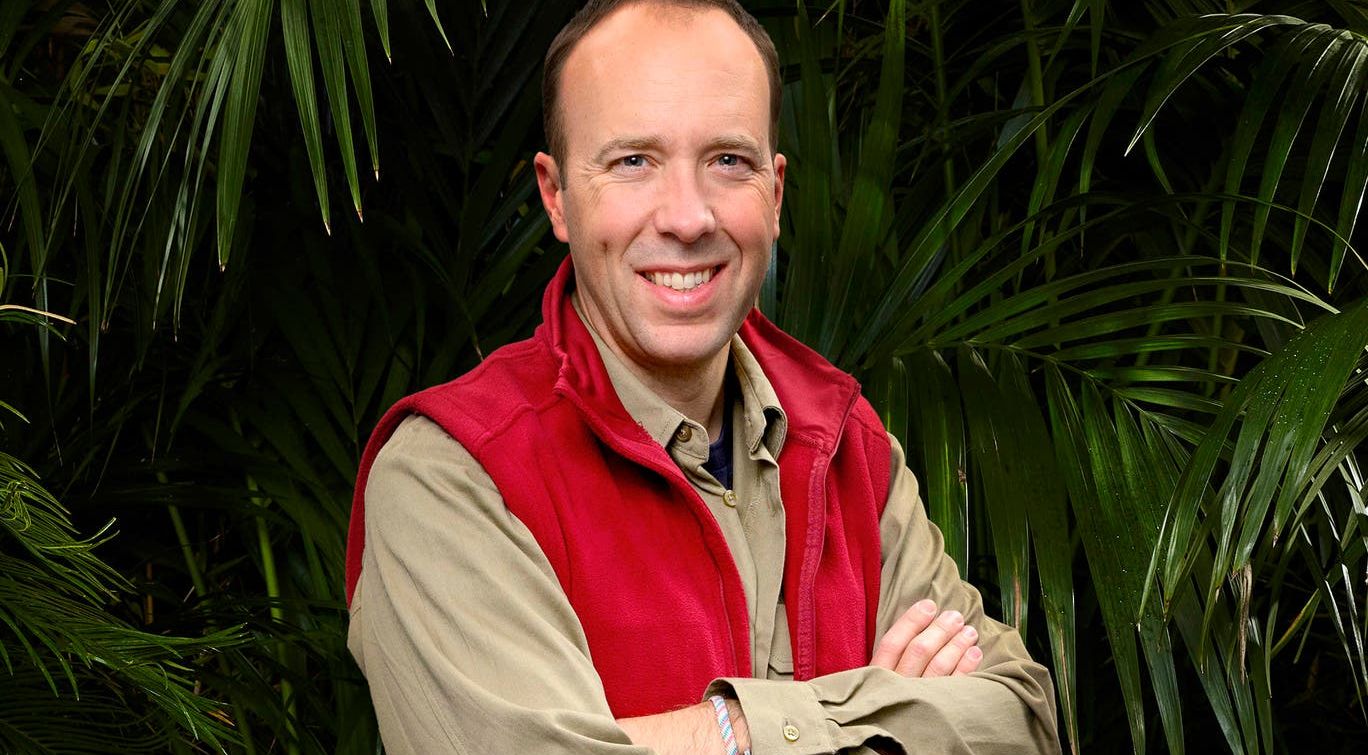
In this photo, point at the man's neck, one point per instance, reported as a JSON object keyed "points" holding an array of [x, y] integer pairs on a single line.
{"points": [[695, 393]]}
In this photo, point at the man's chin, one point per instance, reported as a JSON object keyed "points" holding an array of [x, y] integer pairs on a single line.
{"points": [[678, 352]]}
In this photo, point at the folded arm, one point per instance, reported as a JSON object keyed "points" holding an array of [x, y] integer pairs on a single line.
{"points": [[1005, 705], [470, 645], [922, 643]]}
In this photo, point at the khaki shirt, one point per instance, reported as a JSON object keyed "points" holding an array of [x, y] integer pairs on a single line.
{"points": [[471, 646]]}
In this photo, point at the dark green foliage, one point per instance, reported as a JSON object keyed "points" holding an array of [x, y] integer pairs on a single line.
{"points": [[66, 656], [1095, 263]]}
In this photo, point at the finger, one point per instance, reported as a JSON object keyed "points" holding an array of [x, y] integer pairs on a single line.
{"points": [[948, 659], [969, 663], [894, 642], [926, 645]]}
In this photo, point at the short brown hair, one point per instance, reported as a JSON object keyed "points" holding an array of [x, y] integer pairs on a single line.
{"points": [[596, 10]]}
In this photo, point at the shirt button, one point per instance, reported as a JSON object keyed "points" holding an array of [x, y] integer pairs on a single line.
{"points": [[791, 732], [683, 434], [729, 498]]}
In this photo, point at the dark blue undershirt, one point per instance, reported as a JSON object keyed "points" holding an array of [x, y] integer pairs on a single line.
{"points": [[719, 463]]}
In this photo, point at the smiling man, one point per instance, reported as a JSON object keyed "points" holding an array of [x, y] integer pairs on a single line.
{"points": [[661, 524]]}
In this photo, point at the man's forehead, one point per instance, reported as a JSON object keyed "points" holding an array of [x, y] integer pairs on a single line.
{"points": [[648, 64]]}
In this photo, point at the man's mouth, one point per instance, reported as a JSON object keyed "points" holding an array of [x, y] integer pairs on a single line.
{"points": [[681, 281]]}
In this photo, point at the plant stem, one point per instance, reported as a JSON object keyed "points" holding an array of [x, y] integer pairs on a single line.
{"points": [[191, 564], [943, 112], [272, 577], [202, 590], [1035, 79]]}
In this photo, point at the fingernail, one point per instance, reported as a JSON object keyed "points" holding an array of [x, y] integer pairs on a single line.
{"points": [[969, 632], [927, 606], [974, 653], [953, 617]]}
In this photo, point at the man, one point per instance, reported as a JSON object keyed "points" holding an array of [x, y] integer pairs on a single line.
{"points": [[660, 522]]}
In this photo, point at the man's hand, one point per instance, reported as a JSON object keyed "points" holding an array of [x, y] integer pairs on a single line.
{"points": [[922, 643]]}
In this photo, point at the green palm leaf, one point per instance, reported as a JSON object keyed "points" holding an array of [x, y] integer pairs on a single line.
{"points": [[1121, 337], [1281, 408], [52, 597]]}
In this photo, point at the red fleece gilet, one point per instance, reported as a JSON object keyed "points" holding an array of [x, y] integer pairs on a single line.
{"points": [[639, 555]]}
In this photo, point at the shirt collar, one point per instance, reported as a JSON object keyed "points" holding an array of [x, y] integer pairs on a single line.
{"points": [[764, 420]]}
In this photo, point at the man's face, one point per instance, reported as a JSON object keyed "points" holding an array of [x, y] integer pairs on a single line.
{"points": [[668, 195]]}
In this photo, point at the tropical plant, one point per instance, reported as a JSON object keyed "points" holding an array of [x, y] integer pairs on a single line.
{"points": [[1093, 261], [66, 656], [225, 438], [1089, 348]]}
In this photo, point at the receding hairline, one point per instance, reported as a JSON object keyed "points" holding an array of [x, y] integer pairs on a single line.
{"points": [[597, 12]]}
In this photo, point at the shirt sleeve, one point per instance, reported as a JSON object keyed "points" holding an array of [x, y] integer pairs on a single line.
{"points": [[458, 621], [1007, 706]]}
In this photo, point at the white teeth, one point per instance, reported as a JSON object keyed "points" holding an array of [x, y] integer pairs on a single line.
{"points": [[681, 281]]}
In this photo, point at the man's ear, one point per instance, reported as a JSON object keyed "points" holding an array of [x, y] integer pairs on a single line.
{"points": [[552, 193], [780, 167]]}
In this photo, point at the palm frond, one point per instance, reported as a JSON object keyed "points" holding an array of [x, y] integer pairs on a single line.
{"points": [[53, 594]]}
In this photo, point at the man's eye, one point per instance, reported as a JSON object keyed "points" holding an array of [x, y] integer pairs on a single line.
{"points": [[730, 161], [633, 161]]}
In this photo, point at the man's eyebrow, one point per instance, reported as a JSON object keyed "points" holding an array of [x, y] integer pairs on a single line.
{"points": [[736, 143], [729, 143], [628, 144]]}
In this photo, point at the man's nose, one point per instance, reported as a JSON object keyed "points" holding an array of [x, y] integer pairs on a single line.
{"points": [[685, 207]]}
